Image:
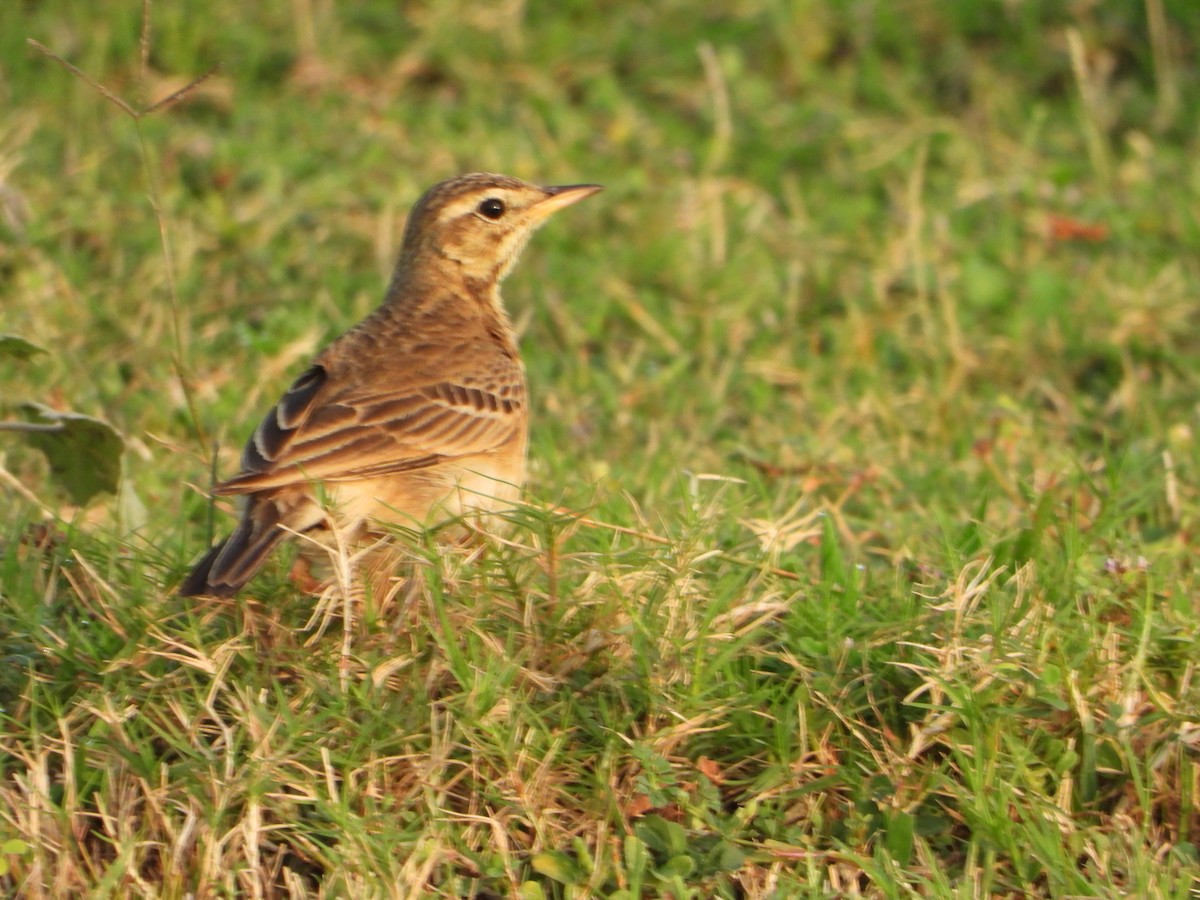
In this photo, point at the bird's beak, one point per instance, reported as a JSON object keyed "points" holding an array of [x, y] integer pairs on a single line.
{"points": [[561, 196]]}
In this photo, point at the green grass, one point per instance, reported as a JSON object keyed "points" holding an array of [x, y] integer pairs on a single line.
{"points": [[829, 318]]}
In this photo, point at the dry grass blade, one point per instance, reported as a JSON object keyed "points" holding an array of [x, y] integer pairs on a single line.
{"points": [[668, 542], [144, 39], [180, 94], [95, 85]]}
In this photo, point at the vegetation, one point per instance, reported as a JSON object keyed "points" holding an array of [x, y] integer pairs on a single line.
{"points": [[859, 554]]}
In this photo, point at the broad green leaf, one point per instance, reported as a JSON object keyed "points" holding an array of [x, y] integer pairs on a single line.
{"points": [[531, 890], [664, 838], [635, 855], [11, 847], [84, 453], [680, 866], [1186, 854], [900, 836], [18, 347], [726, 857], [583, 857], [557, 866]]}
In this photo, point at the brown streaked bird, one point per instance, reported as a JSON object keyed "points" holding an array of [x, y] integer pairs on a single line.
{"points": [[417, 413]]}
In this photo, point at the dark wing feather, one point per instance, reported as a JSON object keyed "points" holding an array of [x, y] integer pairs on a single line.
{"points": [[271, 437], [227, 566]]}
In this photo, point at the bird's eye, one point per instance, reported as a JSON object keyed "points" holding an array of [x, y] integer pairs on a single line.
{"points": [[491, 208]]}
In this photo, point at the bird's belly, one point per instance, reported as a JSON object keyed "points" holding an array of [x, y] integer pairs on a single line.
{"points": [[423, 497]]}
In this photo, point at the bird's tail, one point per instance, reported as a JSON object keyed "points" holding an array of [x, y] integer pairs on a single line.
{"points": [[227, 566]]}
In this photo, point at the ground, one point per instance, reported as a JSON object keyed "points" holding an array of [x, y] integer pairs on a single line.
{"points": [[858, 550]]}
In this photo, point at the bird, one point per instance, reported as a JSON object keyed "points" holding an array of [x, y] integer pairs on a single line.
{"points": [[417, 414]]}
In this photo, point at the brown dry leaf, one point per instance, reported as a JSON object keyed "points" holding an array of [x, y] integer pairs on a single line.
{"points": [[672, 812], [710, 769], [638, 806], [1064, 228]]}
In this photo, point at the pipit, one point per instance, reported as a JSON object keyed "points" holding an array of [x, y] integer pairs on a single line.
{"points": [[416, 414]]}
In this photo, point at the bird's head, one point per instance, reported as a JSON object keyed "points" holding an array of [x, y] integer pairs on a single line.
{"points": [[482, 222]]}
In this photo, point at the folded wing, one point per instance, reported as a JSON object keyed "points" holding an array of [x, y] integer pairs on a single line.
{"points": [[315, 433]]}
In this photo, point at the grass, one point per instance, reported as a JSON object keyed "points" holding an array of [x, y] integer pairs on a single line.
{"points": [[872, 374]]}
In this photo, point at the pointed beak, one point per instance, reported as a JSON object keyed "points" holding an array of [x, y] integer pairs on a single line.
{"points": [[562, 196]]}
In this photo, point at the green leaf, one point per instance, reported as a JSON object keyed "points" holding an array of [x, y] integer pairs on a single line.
{"points": [[11, 847], [1088, 779], [531, 890], [84, 453], [583, 858], [1186, 854], [900, 828], [665, 839], [834, 568], [637, 860], [635, 855], [680, 866], [558, 867], [18, 347], [725, 857]]}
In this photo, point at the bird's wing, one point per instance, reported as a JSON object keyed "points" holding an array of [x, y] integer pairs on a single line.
{"points": [[319, 433]]}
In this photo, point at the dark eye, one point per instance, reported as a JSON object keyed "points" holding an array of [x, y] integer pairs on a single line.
{"points": [[491, 208]]}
